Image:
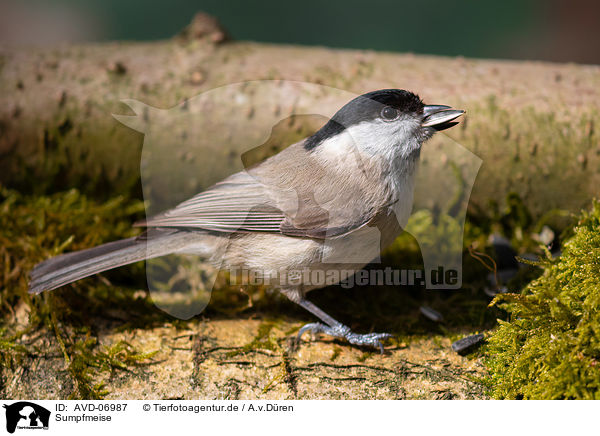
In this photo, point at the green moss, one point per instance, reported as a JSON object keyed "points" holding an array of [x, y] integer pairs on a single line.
{"points": [[33, 228], [262, 341], [550, 347], [12, 353], [86, 361]]}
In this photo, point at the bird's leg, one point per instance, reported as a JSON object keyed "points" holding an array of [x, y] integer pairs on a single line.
{"points": [[332, 327]]}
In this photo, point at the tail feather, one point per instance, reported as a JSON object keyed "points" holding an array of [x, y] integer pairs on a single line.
{"points": [[70, 259], [70, 267]]}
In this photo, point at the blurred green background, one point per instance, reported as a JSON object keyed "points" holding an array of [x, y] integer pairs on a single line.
{"points": [[554, 30]]}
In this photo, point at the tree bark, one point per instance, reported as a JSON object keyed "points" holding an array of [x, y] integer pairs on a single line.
{"points": [[533, 124]]}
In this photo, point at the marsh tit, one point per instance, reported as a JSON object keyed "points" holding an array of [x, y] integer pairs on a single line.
{"points": [[312, 206]]}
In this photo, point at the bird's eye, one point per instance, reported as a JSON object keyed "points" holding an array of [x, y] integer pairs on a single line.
{"points": [[389, 113]]}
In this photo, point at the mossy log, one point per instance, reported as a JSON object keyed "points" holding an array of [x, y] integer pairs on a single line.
{"points": [[534, 124]]}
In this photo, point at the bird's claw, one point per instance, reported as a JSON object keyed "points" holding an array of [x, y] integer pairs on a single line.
{"points": [[344, 332]]}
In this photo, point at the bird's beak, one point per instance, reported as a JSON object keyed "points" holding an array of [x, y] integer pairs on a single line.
{"points": [[439, 116]]}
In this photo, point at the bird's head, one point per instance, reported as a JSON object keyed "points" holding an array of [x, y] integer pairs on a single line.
{"points": [[389, 123]]}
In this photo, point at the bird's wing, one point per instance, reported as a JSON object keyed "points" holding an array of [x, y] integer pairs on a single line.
{"points": [[238, 203], [277, 196], [241, 203]]}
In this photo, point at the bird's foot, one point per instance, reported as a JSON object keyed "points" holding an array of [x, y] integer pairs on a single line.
{"points": [[344, 332]]}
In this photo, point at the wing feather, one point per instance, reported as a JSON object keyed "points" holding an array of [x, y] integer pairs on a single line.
{"points": [[280, 196], [238, 203]]}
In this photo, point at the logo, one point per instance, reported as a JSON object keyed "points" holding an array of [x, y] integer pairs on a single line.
{"points": [[26, 415]]}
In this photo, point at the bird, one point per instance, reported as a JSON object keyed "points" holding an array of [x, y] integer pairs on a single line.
{"points": [[316, 204]]}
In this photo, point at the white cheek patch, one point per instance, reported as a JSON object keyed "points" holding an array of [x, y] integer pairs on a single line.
{"points": [[373, 139]]}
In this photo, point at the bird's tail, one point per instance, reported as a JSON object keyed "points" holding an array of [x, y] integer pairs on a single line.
{"points": [[64, 269]]}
